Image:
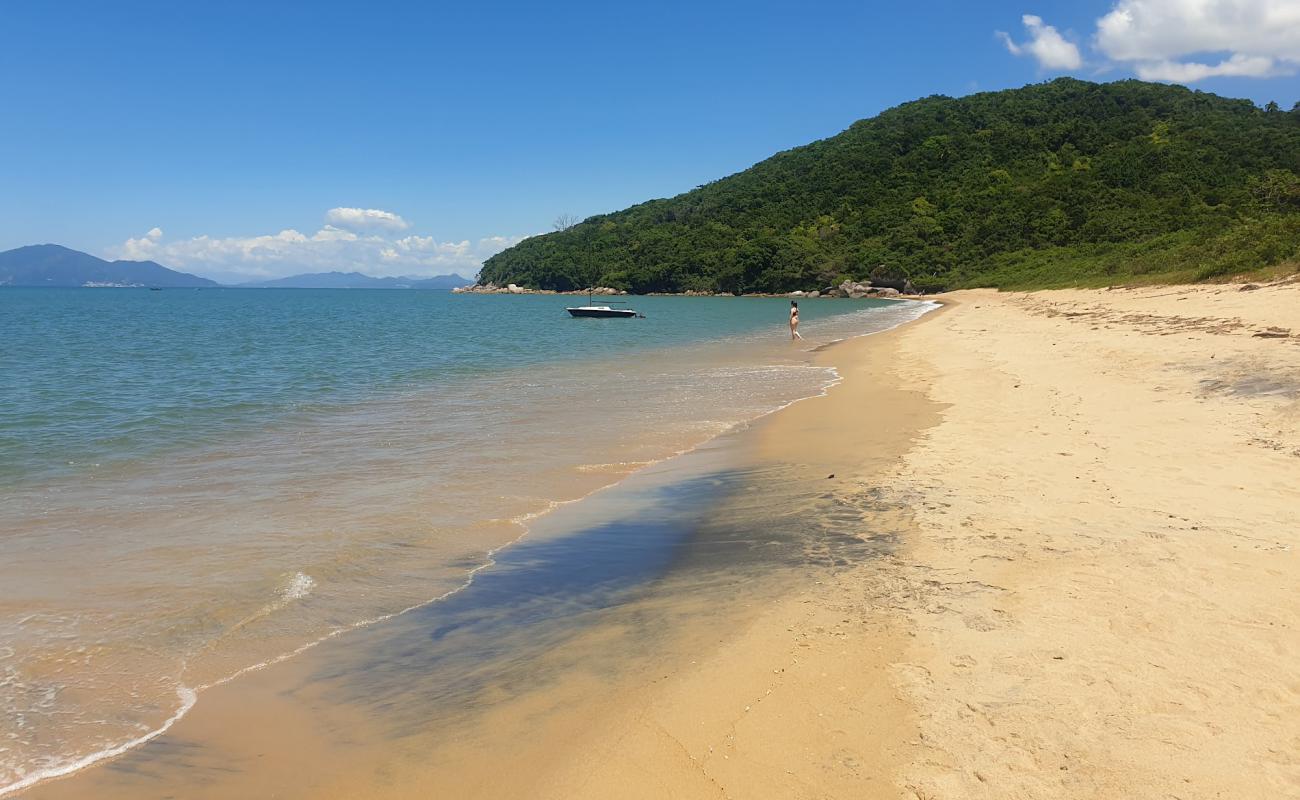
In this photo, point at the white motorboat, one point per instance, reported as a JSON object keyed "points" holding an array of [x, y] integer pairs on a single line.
{"points": [[591, 310], [600, 311]]}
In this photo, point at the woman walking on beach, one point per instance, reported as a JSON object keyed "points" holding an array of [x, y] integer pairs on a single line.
{"points": [[794, 321]]}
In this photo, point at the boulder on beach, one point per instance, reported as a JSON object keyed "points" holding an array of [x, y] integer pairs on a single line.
{"points": [[857, 291]]}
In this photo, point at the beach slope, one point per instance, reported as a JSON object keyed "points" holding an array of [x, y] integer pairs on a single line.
{"points": [[1105, 590], [1094, 589]]}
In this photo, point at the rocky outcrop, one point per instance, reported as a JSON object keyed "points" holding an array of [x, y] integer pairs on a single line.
{"points": [[689, 293], [882, 281], [492, 288], [857, 291], [851, 289]]}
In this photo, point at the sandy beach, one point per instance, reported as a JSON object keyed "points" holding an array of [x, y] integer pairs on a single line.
{"points": [[575, 401], [1031, 546], [1105, 588], [1094, 592]]}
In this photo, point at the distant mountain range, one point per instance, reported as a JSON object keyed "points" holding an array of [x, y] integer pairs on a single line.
{"points": [[55, 265], [355, 280]]}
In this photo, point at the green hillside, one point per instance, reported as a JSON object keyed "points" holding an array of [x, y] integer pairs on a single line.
{"points": [[1061, 183]]}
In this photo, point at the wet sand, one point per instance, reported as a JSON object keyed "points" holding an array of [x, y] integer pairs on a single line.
{"points": [[1056, 558], [800, 701], [137, 583], [494, 691], [1095, 589]]}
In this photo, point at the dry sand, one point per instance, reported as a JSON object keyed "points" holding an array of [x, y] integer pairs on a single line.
{"points": [[1095, 591]]}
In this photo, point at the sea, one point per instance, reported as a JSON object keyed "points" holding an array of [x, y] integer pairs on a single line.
{"points": [[199, 483]]}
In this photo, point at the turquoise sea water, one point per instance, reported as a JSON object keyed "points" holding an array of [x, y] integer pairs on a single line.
{"points": [[197, 482], [89, 376]]}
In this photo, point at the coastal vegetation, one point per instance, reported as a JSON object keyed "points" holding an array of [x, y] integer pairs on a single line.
{"points": [[1054, 184]]}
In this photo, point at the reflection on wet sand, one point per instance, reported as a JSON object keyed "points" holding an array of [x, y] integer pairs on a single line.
{"points": [[601, 596]]}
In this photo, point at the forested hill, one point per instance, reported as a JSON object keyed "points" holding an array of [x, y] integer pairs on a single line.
{"points": [[1061, 183]]}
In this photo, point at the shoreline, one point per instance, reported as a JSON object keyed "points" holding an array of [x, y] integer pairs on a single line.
{"points": [[53, 778], [1093, 594], [1049, 552], [771, 710], [849, 290]]}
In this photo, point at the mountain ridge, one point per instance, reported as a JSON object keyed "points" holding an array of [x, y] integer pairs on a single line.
{"points": [[53, 265], [57, 266], [1061, 183]]}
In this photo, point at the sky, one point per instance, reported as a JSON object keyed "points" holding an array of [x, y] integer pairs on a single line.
{"points": [[247, 140]]}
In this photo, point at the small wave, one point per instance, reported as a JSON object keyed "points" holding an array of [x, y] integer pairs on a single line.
{"points": [[299, 587], [301, 584], [630, 466], [187, 697]]}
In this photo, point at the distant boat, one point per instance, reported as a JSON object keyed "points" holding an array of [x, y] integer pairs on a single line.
{"points": [[600, 311], [590, 310]]}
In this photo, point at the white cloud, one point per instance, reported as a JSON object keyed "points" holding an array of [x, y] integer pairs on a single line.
{"points": [[329, 233], [1046, 45], [1191, 71], [1161, 39], [499, 243], [331, 248], [1179, 40], [365, 219]]}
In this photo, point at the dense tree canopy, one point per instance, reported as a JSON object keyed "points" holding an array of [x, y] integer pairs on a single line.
{"points": [[1067, 182]]}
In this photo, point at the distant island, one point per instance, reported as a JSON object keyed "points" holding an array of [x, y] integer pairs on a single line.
{"points": [[1055, 184], [57, 266]]}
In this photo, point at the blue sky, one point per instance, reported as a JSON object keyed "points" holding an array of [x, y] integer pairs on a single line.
{"points": [[240, 140]]}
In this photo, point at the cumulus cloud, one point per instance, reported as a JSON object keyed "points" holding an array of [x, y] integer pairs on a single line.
{"points": [[1179, 40], [1191, 71], [365, 219], [1046, 45], [1189, 40], [332, 248]]}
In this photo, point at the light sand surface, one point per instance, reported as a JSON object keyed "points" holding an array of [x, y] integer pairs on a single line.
{"points": [[1095, 591], [801, 701], [1106, 600], [1081, 511]]}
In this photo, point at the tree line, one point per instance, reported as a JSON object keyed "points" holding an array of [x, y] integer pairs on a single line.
{"points": [[1060, 183]]}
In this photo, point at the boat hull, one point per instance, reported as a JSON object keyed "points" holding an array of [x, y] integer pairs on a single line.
{"points": [[622, 313]]}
